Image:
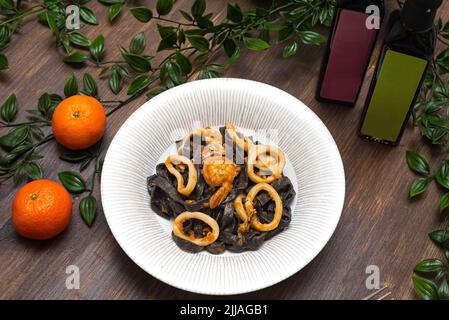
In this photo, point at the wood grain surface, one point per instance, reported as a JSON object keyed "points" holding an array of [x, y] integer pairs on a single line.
{"points": [[379, 225]]}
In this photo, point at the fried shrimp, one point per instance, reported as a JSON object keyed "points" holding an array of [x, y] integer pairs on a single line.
{"points": [[219, 172]]}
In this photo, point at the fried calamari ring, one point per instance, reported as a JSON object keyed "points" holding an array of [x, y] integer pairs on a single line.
{"points": [[244, 143], [251, 211], [239, 208], [210, 135], [212, 235], [257, 157], [193, 175], [241, 213]]}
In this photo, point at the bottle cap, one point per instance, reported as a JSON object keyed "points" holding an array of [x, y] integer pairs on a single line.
{"points": [[419, 15]]}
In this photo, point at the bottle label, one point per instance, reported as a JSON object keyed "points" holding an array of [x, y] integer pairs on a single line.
{"points": [[397, 83], [350, 51]]}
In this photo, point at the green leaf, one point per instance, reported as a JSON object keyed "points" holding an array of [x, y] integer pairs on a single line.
{"points": [[234, 13], [8, 4], [85, 163], [71, 86], [115, 82], [165, 31], [290, 50], [90, 87], [440, 238], [72, 181], [312, 37], [88, 15], [51, 21], [264, 34], [434, 106], [444, 202], [184, 63], [142, 14], [198, 42], [5, 160], [33, 171], [74, 156], [430, 266], [168, 37], [418, 187], [46, 105], [22, 148], [3, 62], [97, 48], [8, 110], [425, 289], [75, 57], [235, 56], [417, 163], [139, 83], [88, 209], [155, 92], [137, 45], [446, 254], [443, 290], [442, 175], [255, 44], [114, 11], [163, 7], [186, 15], [55, 101], [79, 39], [138, 63], [285, 32], [15, 137], [229, 46], [198, 8], [174, 71]]}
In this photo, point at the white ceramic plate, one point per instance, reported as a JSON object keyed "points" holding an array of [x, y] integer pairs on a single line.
{"points": [[315, 168]]}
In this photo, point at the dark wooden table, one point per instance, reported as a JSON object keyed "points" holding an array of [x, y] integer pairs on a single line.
{"points": [[379, 225]]}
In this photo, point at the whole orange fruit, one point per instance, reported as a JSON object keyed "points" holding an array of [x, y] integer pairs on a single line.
{"points": [[79, 122], [41, 209]]}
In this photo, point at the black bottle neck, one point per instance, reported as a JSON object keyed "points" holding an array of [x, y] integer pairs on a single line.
{"points": [[419, 15], [405, 40]]}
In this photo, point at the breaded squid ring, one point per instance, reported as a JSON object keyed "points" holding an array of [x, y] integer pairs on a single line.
{"points": [[211, 237], [251, 211], [275, 168], [193, 175], [210, 135], [244, 143]]}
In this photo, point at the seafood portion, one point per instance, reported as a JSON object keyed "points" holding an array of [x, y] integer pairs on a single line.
{"points": [[212, 231], [236, 195], [180, 162]]}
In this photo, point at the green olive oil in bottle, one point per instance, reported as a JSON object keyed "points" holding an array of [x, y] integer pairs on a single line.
{"points": [[407, 51]]}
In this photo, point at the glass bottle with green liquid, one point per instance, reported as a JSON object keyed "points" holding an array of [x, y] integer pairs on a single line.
{"points": [[406, 54]]}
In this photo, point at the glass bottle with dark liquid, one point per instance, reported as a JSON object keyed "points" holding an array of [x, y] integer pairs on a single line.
{"points": [[407, 51], [351, 43]]}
